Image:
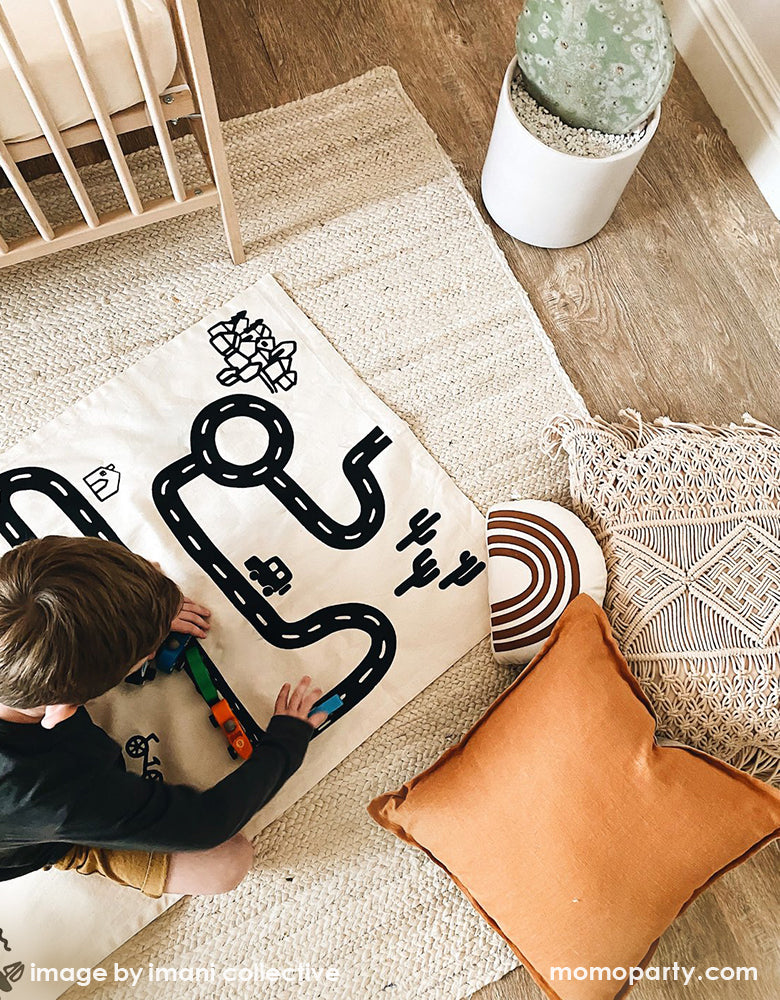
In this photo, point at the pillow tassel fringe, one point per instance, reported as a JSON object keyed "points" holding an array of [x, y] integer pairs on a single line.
{"points": [[635, 431]]}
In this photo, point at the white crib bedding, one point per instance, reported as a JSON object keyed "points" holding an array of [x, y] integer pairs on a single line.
{"points": [[52, 71]]}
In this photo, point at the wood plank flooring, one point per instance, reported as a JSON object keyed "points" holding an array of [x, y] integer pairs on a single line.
{"points": [[674, 308], [685, 277]]}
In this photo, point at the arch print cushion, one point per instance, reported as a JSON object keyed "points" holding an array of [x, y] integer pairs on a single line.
{"points": [[689, 521], [540, 556], [573, 833]]}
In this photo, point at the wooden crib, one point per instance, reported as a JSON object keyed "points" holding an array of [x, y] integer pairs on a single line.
{"points": [[190, 95]]}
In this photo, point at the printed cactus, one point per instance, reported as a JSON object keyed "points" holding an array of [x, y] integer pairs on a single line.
{"points": [[599, 64]]}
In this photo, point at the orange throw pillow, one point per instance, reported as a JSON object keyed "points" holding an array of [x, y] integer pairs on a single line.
{"points": [[574, 834]]}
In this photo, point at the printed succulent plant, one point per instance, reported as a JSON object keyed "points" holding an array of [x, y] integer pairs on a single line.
{"points": [[600, 64]]}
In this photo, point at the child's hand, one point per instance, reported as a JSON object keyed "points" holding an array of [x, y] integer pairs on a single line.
{"points": [[192, 619], [299, 703]]}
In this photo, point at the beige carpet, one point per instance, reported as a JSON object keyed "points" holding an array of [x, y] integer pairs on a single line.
{"points": [[348, 199]]}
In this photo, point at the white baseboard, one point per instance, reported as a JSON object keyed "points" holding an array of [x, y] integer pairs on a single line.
{"points": [[736, 81]]}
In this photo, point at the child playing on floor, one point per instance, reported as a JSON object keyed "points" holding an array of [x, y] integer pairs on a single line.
{"points": [[77, 615]]}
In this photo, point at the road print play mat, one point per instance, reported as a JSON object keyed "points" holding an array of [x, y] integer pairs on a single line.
{"points": [[251, 462]]}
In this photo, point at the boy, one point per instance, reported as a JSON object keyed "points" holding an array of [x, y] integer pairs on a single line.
{"points": [[77, 615]]}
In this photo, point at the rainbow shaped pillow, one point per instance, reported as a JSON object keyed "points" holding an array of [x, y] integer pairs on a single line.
{"points": [[540, 557]]}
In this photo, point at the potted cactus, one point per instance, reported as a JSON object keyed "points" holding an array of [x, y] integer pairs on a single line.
{"points": [[578, 106]]}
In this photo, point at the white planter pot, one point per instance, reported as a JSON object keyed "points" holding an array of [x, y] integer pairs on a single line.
{"points": [[546, 197]]}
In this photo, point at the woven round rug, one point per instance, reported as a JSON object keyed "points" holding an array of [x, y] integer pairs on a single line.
{"points": [[347, 198]]}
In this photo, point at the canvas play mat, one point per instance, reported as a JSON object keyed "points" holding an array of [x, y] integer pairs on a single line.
{"points": [[349, 201], [248, 459]]}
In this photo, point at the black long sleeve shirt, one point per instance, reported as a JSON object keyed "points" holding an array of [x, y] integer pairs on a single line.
{"points": [[68, 785]]}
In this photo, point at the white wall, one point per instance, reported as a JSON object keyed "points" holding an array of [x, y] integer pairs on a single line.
{"points": [[761, 21], [732, 48]]}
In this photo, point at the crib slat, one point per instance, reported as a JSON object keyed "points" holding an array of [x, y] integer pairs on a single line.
{"points": [[133, 34], [75, 44], [26, 197], [207, 131], [45, 120]]}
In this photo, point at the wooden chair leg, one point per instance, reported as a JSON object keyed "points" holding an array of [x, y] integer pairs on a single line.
{"points": [[208, 126]]}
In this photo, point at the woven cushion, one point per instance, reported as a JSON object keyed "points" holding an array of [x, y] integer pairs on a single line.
{"points": [[688, 519], [540, 556], [571, 831]]}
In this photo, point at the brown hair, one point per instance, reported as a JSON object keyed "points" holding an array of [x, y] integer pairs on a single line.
{"points": [[75, 615]]}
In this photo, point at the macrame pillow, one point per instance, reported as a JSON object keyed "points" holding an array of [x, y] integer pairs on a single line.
{"points": [[688, 518]]}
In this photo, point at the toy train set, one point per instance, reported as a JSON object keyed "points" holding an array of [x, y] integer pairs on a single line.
{"points": [[184, 652]]}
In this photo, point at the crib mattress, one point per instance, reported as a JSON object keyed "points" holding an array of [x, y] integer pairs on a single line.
{"points": [[52, 71]]}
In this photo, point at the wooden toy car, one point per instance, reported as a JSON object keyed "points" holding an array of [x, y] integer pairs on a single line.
{"points": [[222, 715], [170, 656]]}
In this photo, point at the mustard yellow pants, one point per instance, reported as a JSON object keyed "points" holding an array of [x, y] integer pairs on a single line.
{"points": [[143, 870]]}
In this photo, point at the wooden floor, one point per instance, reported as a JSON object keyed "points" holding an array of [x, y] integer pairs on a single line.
{"points": [[674, 308]]}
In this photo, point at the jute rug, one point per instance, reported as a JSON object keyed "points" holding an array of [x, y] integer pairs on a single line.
{"points": [[347, 198]]}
